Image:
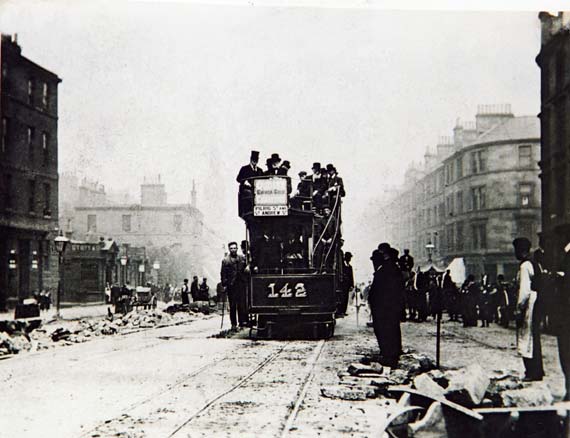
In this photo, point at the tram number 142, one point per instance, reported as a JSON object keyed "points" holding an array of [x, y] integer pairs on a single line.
{"points": [[298, 291]]}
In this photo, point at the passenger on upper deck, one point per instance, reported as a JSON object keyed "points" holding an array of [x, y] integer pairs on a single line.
{"points": [[273, 165], [335, 182], [335, 185], [284, 168], [244, 176], [303, 194], [319, 186], [304, 186]]}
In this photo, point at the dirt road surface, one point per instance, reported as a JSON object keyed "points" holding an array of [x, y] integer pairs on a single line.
{"points": [[180, 382]]}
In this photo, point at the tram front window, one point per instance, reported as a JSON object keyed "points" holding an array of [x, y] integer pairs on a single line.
{"points": [[275, 249]]}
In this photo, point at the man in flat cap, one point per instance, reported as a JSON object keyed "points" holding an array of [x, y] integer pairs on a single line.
{"points": [[386, 301], [244, 178], [303, 193], [528, 318]]}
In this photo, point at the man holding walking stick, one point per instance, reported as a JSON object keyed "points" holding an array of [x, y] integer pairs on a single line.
{"points": [[233, 280]]}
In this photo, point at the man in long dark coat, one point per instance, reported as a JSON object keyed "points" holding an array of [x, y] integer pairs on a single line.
{"points": [[386, 301], [233, 279], [347, 283], [244, 178]]}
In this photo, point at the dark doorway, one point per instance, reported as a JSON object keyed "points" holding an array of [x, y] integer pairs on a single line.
{"points": [[24, 265]]}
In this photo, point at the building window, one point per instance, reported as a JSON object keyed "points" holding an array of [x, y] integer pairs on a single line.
{"points": [[459, 237], [91, 222], [45, 251], [32, 196], [526, 228], [525, 156], [44, 94], [4, 134], [449, 204], [478, 198], [177, 222], [127, 222], [459, 167], [8, 191], [30, 140], [450, 237], [47, 197], [479, 236], [45, 147], [561, 189], [525, 193], [478, 161], [30, 91]]}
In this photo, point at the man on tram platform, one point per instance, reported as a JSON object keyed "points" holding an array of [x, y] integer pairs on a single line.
{"points": [[244, 176]]}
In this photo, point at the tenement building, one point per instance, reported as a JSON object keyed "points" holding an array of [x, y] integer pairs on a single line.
{"points": [[28, 175], [554, 62], [472, 195]]}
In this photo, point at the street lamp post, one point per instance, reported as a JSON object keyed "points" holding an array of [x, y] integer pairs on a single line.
{"points": [[156, 267], [429, 248], [60, 245], [124, 261]]}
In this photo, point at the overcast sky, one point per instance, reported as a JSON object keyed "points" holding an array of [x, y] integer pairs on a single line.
{"points": [[187, 90]]}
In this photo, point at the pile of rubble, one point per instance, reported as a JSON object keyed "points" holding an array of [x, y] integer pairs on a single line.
{"points": [[422, 398], [19, 336]]}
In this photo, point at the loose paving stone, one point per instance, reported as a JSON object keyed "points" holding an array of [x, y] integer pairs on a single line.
{"points": [[536, 394], [469, 386]]}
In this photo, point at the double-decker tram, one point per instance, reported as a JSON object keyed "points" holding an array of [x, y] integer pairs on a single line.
{"points": [[295, 259]]}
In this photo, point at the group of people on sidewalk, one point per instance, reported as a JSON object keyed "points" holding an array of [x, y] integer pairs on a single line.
{"points": [[198, 292]]}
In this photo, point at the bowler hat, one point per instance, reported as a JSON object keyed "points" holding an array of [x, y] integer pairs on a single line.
{"points": [[348, 254], [275, 157], [330, 167], [384, 247], [522, 243], [286, 164], [302, 173]]}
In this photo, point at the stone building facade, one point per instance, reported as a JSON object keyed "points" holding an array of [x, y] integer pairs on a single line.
{"points": [[171, 233], [554, 63], [28, 175], [473, 194]]}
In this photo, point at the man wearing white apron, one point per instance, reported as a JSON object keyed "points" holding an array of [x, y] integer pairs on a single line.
{"points": [[528, 321]]}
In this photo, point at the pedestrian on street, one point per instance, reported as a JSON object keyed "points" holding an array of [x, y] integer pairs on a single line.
{"points": [[528, 318], [195, 289], [561, 322], [347, 283], [386, 302], [184, 292], [204, 294], [469, 293], [233, 279]]}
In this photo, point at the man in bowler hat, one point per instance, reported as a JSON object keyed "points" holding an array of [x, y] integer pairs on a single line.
{"points": [[273, 164], [386, 299]]}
